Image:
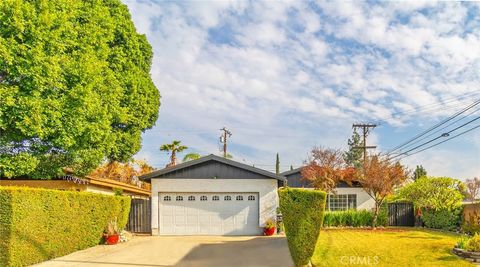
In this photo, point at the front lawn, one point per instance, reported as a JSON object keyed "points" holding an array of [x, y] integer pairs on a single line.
{"points": [[386, 247]]}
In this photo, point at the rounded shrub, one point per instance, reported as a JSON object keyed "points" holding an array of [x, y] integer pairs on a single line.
{"points": [[473, 244], [303, 217]]}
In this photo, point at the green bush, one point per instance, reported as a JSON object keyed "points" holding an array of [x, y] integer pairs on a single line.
{"points": [[302, 216], [40, 224], [473, 244], [354, 218], [442, 219]]}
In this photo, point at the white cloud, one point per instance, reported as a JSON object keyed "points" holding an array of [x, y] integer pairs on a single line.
{"points": [[301, 80]]}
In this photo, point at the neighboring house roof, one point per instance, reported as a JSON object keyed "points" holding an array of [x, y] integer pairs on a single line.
{"points": [[290, 172], [71, 182], [211, 166], [294, 179]]}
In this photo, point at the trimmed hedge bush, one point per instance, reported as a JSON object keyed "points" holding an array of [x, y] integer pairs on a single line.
{"points": [[40, 224], [303, 217]]}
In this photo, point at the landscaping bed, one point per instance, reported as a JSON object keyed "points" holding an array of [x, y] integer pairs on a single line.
{"points": [[386, 247]]}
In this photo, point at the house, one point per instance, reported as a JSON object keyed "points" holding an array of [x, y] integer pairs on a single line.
{"points": [[212, 196], [346, 196], [87, 184]]}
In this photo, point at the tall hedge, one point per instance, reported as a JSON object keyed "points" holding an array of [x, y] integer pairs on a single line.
{"points": [[40, 224], [303, 217]]}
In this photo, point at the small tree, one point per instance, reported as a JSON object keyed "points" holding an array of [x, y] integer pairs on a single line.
{"points": [[174, 148], [191, 156], [325, 169], [124, 172], [379, 177], [419, 173], [277, 165], [353, 157], [472, 188]]}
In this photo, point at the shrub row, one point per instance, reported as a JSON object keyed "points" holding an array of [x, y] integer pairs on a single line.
{"points": [[448, 220], [354, 218], [40, 224], [302, 216]]}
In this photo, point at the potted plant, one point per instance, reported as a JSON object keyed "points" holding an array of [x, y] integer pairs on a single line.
{"points": [[111, 233], [269, 228]]}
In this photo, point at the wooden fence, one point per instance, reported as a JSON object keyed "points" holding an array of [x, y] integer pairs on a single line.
{"points": [[401, 214], [140, 217]]}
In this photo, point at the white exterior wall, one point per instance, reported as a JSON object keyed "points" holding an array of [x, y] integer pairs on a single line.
{"points": [[364, 201], [266, 189]]}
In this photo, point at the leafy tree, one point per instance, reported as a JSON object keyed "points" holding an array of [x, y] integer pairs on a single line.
{"points": [[326, 168], [173, 148], [436, 193], [75, 87], [379, 177], [472, 188], [419, 172], [191, 156], [124, 172], [277, 165], [353, 157]]}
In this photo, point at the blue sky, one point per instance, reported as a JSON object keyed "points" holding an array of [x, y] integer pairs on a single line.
{"points": [[287, 76]]}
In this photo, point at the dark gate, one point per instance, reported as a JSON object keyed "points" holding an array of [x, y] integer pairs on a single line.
{"points": [[401, 214], [140, 217]]}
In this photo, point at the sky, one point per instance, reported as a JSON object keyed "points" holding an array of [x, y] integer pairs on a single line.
{"points": [[287, 76]]}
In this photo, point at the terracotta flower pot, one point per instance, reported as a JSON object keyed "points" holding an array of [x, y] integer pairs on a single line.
{"points": [[112, 239], [269, 231]]}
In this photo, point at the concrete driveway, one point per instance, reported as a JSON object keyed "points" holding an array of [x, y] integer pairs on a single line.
{"points": [[183, 251]]}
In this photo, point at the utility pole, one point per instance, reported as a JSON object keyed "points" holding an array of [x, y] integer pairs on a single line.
{"points": [[365, 130], [223, 139]]}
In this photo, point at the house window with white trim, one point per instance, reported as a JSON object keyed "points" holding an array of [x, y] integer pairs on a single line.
{"points": [[342, 202]]}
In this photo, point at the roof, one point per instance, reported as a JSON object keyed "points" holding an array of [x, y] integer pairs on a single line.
{"points": [[295, 179], [163, 173], [290, 172]]}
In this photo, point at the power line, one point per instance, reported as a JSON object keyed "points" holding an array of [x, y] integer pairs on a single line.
{"points": [[436, 138], [434, 105], [438, 130], [455, 136], [434, 127]]}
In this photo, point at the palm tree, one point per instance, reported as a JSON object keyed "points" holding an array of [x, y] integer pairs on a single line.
{"points": [[173, 148], [191, 156]]}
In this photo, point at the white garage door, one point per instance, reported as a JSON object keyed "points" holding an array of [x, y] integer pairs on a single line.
{"points": [[208, 214]]}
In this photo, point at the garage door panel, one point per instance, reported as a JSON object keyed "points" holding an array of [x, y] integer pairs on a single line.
{"points": [[208, 214]]}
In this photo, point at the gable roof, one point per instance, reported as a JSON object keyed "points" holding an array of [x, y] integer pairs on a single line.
{"points": [[164, 173], [290, 172]]}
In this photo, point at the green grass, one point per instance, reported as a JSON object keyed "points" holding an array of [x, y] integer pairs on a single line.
{"points": [[386, 247]]}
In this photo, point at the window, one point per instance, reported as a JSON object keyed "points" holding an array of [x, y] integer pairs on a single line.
{"points": [[166, 198], [191, 198], [342, 202], [239, 198], [251, 197], [215, 198], [203, 198], [227, 198], [179, 198]]}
